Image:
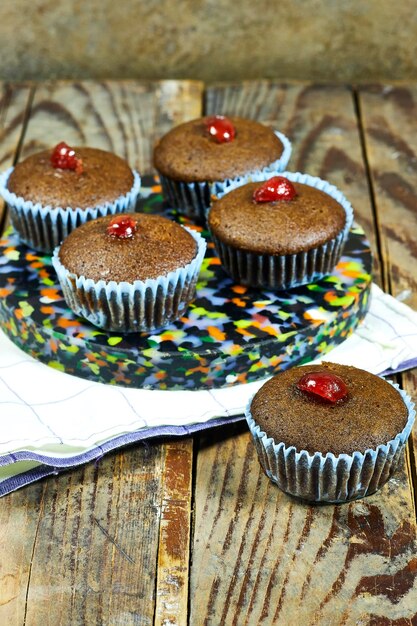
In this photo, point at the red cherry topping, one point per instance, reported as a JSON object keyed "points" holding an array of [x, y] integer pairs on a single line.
{"points": [[64, 158], [324, 385], [276, 188], [221, 128], [122, 226]]}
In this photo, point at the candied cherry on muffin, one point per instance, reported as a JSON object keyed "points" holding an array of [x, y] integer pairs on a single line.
{"points": [[221, 128], [64, 158], [122, 226], [131, 272], [52, 192], [193, 157], [323, 385], [274, 189]]}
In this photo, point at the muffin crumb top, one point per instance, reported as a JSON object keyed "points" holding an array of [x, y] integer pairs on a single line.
{"points": [[157, 247], [371, 414], [306, 221], [104, 178], [188, 153]]}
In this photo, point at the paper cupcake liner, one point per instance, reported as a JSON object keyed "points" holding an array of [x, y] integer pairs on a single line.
{"points": [[330, 478], [280, 272], [140, 306], [189, 199], [193, 199], [45, 227]]}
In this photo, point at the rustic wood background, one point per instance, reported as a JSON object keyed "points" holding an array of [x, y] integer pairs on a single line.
{"points": [[320, 40], [190, 531]]}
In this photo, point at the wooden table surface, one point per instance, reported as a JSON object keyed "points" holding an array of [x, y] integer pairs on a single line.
{"points": [[190, 531]]}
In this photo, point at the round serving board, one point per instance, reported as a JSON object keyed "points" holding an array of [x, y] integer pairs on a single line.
{"points": [[229, 334]]}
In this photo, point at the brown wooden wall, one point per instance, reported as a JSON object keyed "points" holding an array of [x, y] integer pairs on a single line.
{"points": [[320, 40]]}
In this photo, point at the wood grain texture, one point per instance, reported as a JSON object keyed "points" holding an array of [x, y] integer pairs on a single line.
{"points": [[94, 560], [388, 115], [259, 557], [15, 512], [14, 103], [90, 553], [19, 519], [125, 117], [174, 535]]}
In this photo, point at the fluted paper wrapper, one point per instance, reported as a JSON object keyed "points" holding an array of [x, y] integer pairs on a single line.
{"points": [[326, 477], [279, 272], [45, 227], [140, 306], [193, 199]]}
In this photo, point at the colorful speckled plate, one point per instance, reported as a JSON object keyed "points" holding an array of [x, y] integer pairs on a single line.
{"points": [[229, 334]]}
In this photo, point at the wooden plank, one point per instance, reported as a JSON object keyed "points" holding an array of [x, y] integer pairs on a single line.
{"points": [[388, 116], [14, 102], [174, 536], [16, 512], [96, 550], [19, 519], [259, 557], [94, 557]]}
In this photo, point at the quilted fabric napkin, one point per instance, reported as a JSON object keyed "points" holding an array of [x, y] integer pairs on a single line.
{"points": [[52, 421]]}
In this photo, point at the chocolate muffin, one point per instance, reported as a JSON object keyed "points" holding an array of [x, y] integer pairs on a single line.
{"points": [[54, 191], [329, 433], [131, 272], [292, 239], [192, 158], [104, 178]]}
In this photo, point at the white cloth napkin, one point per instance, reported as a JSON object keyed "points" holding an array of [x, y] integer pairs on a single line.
{"points": [[53, 419]]}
